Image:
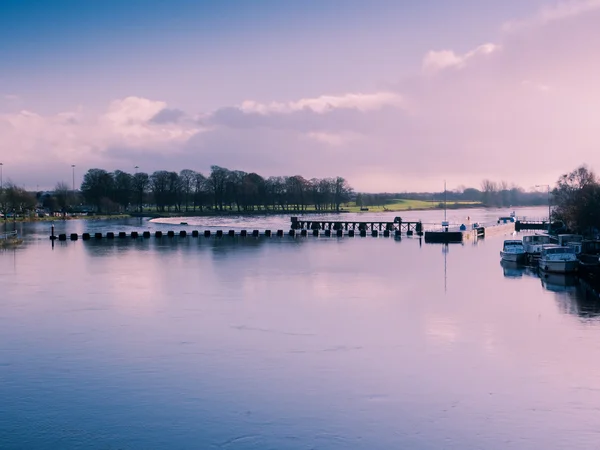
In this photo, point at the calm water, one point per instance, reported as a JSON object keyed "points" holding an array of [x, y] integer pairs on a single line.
{"points": [[291, 344]]}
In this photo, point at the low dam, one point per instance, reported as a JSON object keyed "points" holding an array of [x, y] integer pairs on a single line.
{"points": [[305, 228]]}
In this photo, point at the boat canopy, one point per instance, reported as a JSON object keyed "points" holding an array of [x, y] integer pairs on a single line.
{"points": [[513, 243], [536, 239], [557, 250], [564, 238]]}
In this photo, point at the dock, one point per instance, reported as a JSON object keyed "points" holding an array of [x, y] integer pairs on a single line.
{"points": [[397, 226], [479, 232], [315, 228]]}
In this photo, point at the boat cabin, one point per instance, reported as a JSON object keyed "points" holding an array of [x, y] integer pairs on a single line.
{"points": [[506, 219], [533, 243], [571, 240], [548, 250], [512, 243], [538, 239]]}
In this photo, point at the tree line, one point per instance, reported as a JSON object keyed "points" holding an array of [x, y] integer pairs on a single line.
{"points": [[221, 190], [491, 194], [15, 200], [576, 200]]}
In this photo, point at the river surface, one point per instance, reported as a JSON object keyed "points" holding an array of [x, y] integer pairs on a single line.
{"points": [[291, 343]]}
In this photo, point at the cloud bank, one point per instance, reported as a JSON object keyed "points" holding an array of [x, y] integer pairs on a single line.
{"points": [[524, 109]]}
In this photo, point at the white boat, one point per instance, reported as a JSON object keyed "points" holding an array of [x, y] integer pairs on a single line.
{"points": [[571, 240], [533, 243], [559, 259], [513, 251]]}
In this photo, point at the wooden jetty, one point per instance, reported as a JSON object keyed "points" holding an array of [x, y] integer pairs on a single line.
{"points": [[397, 225], [531, 225], [452, 237], [310, 227]]}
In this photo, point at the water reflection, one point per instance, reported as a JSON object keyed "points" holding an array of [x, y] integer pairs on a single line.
{"points": [[512, 269], [218, 247], [581, 300], [573, 294], [559, 282], [289, 343]]}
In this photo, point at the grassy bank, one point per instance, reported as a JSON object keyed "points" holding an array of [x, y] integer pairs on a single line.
{"points": [[59, 218], [396, 205], [233, 212], [412, 205]]}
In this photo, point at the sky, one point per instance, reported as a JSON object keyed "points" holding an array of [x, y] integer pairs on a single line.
{"points": [[393, 95]]}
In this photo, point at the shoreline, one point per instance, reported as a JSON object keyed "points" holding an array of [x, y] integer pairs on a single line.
{"points": [[233, 213], [64, 219], [375, 210]]}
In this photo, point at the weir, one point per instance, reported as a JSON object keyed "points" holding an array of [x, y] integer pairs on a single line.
{"points": [[397, 225], [329, 229]]}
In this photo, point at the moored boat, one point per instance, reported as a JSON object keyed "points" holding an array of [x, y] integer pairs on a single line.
{"points": [[533, 244], [589, 258], [513, 251], [558, 259], [571, 240]]}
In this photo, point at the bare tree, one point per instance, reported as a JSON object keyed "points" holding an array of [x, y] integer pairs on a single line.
{"points": [[61, 193]]}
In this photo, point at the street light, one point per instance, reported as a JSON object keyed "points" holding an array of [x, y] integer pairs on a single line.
{"points": [[136, 168], [1, 180], [549, 213], [73, 167]]}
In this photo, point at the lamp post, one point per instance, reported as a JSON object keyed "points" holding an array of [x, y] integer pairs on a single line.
{"points": [[547, 186], [73, 167], [136, 168], [1, 180]]}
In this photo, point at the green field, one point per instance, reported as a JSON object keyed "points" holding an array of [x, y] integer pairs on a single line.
{"points": [[407, 205]]}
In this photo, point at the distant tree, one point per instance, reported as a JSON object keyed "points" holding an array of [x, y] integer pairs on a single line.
{"points": [[159, 184], [200, 188], [217, 183], [471, 195], [174, 191], [516, 195], [489, 191], [234, 188], [61, 194], [342, 192], [252, 191], [296, 188], [187, 179], [577, 200], [97, 187], [326, 189], [359, 200], [50, 203], [140, 184], [16, 200], [123, 188], [275, 192]]}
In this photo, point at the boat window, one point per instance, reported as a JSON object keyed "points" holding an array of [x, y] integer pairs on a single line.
{"points": [[559, 250]]}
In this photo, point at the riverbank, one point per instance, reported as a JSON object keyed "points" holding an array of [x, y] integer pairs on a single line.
{"points": [[401, 206], [65, 218]]}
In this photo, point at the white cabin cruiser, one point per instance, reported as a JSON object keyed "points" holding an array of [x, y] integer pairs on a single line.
{"points": [[513, 251], [571, 240], [559, 259], [533, 243]]}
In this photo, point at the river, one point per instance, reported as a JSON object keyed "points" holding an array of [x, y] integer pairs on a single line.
{"points": [[291, 343]]}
